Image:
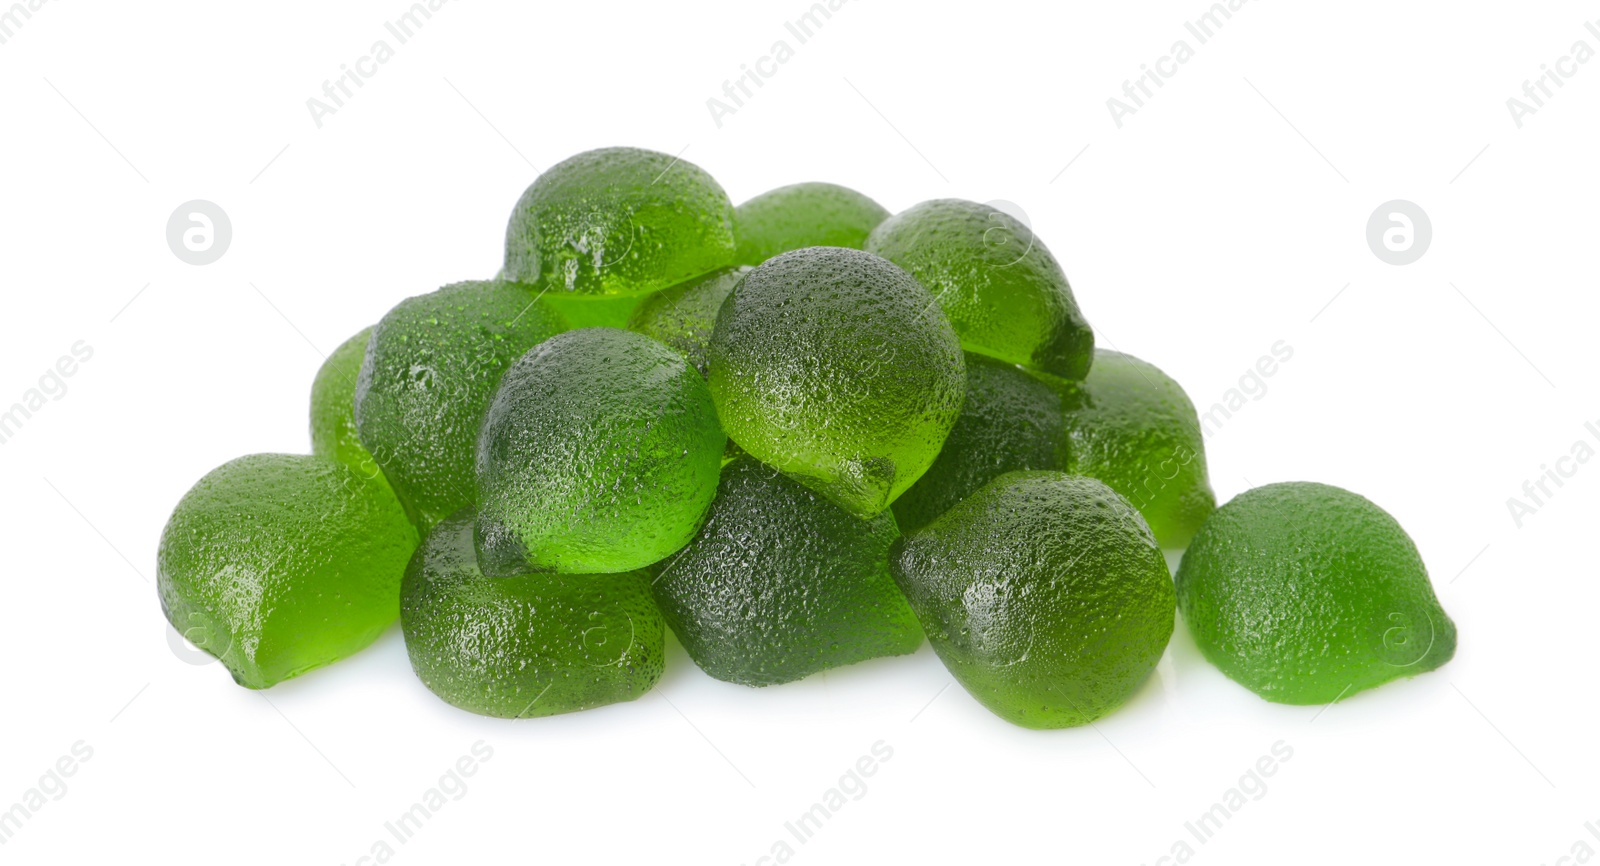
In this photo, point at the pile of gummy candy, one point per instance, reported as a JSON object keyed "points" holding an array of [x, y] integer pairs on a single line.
{"points": [[800, 433]]}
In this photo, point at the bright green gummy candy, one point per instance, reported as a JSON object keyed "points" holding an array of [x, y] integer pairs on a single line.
{"points": [[1001, 288], [684, 315], [839, 369], [1010, 421], [1044, 594], [803, 215], [619, 221], [1133, 427], [599, 454], [277, 564], [333, 408], [530, 645], [593, 311], [782, 583], [1306, 594], [430, 371]]}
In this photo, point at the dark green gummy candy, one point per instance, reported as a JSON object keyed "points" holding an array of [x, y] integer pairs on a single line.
{"points": [[599, 454], [803, 215], [530, 645], [1010, 421], [781, 583]]}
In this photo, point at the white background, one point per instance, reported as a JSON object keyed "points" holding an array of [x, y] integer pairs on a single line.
{"points": [[1223, 217]]}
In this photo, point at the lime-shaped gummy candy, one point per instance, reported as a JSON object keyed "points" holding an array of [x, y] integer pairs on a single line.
{"points": [[1044, 594], [599, 454], [619, 221], [684, 315], [278, 564], [333, 408], [1009, 422], [431, 368], [1306, 594], [839, 369], [530, 645], [803, 215], [781, 583], [1003, 291], [1133, 427]]}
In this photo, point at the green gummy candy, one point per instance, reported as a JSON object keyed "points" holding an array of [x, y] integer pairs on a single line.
{"points": [[1003, 291], [781, 583], [1306, 594], [599, 454], [333, 408], [683, 316], [619, 221], [1133, 427], [530, 645], [430, 370], [803, 215], [277, 564], [839, 369], [1044, 594], [593, 311], [1010, 421]]}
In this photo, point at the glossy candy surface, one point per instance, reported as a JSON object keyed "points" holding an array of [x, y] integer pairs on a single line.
{"points": [[1002, 289], [431, 368], [530, 645], [1306, 593], [1131, 426], [281, 563], [803, 215], [837, 368], [619, 221], [684, 316], [599, 454], [1044, 594], [781, 583], [1010, 421]]}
